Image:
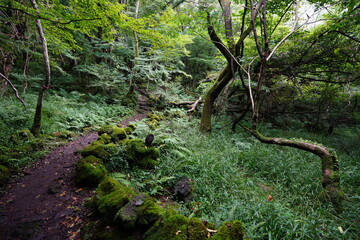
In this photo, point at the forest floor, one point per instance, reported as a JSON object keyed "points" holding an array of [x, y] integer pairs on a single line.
{"points": [[44, 203]]}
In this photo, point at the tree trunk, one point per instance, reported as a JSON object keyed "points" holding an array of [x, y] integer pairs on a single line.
{"points": [[37, 118], [329, 163]]}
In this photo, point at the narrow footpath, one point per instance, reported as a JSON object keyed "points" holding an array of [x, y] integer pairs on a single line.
{"points": [[45, 203]]}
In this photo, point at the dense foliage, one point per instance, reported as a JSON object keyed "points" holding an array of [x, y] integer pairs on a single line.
{"points": [[288, 69]]}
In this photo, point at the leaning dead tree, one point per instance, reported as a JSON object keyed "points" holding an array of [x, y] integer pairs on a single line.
{"points": [[259, 29]]}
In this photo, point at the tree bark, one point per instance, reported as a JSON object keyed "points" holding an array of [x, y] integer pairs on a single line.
{"points": [[37, 118]]}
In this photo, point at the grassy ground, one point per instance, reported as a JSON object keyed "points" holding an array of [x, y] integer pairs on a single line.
{"points": [[62, 113], [234, 175]]}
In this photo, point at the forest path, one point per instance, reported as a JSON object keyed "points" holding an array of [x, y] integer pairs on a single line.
{"points": [[45, 203]]}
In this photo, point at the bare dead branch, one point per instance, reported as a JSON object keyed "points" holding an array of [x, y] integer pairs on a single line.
{"points": [[14, 89]]}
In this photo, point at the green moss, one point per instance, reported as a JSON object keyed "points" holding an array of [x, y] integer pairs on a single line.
{"points": [[108, 185], [4, 175], [111, 203], [141, 211], [90, 171], [172, 227], [118, 134], [22, 135], [230, 231], [196, 229], [138, 154], [104, 138], [132, 126], [106, 129], [99, 150], [153, 116]]}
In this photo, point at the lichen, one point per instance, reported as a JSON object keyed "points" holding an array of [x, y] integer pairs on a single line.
{"points": [[138, 154], [90, 171], [230, 231]]}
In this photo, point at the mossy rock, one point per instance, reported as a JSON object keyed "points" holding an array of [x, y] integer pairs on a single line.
{"points": [[21, 136], [4, 175], [103, 151], [111, 203], [172, 227], [230, 231], [138, 154], [196, 229], [140, 212], [132, 126], [106, 129], [104, 138], [154, 116], [90, 171], [118, 134], [153, 124]]}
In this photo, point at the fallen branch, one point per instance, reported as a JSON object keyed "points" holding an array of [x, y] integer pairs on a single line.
{"points": [[14, 88], [193, 106]]}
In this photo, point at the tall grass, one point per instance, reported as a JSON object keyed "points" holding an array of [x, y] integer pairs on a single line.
{"points": [[234, 174]]}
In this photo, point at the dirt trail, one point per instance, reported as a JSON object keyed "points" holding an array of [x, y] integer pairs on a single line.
{"points": [[46, 204]]}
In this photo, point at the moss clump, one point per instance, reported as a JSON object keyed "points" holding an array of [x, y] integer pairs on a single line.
{"points": [[132, 126], [118, 134], [138, 154], [141, 211], [4, 175], [104, 138], [106, 129], [90, 171], [172, 227], [111, 203], [22, 135], [230, 231], [153, 116], [196, 229], [100, 150]]}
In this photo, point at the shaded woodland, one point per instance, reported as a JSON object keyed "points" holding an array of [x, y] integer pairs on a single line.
{"points": [[242, 117]]}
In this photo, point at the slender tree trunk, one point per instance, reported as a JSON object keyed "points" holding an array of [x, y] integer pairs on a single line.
{"points": [[136, 50], [37, 118]]}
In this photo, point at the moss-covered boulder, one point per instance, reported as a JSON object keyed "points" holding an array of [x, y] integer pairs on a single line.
{"points": [[104, 138], [141, 212], [111, 203], [138, 154], [171, 227], [118, 134], [90, 171], [230, 231], [22, 135], [103, 151], [108, 129], [4, 175], [196, 229]]}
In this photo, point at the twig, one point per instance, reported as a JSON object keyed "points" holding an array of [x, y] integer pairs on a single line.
{"points": [[14, 88]]}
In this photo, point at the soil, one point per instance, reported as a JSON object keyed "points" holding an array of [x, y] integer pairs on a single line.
{"points": [[45, 203]]}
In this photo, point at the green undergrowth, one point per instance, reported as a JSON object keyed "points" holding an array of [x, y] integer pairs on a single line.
{"points": [[64, 115], [274, 190]]}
